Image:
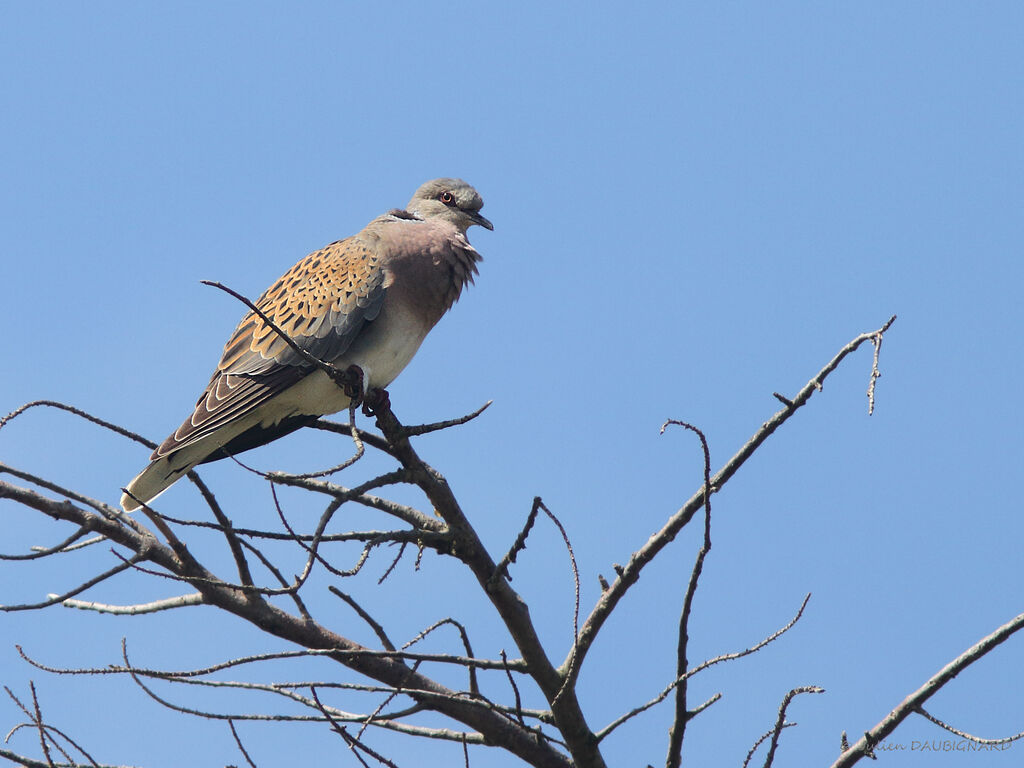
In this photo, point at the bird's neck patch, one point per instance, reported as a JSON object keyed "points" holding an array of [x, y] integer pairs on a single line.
{"points": [[399, 213]]}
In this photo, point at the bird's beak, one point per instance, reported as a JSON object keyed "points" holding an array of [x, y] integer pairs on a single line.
{"points": [[478, 219]]}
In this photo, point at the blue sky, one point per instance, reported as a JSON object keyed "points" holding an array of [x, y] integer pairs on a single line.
{"points": [[695, 205]]}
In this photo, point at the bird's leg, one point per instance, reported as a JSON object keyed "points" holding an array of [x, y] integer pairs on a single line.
{"points": [[353, 381], [376, 400]]}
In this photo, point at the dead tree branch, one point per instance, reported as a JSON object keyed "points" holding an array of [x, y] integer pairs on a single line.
{"points": [[915, 701], [557, 737], [656, 543]]}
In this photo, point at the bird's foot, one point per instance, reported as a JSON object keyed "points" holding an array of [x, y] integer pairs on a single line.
{"points": [[353, 383], [376, 400]]}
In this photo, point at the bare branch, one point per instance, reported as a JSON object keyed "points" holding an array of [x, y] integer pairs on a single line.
{"points": [[761, 740], [401, 551], [915, 701], [876, 340], [234, 544], [77, 412], [515, 689], [968, 736], [358, 494], [501, 570], [313, 547], [423, 429], [656, 543], [343, 379], [753, 649], [369, 438], [54, 599], [110, 513], [780, 722], [513, 665], [384, 721], [293, 594], [569, 672], [678, 729], [360, 450], [166, 604], [513, 610], [700, 667], [238, 741], [353, 743], [434, 538], [398, 672], [27, 762], [64, 546], [496, 727], [37, 719], [289, 690], [474, 688], [701, 707], [397, 691], [46, 734]]}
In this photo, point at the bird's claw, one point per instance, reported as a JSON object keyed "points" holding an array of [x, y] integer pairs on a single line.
{"points": [[353, 387], [373, 400], [376, 400]]}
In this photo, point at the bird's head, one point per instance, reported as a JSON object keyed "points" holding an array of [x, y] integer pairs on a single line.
{"points": [[452, 200]]}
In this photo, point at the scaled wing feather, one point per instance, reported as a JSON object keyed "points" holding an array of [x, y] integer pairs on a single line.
{"points": [[322, 303]]}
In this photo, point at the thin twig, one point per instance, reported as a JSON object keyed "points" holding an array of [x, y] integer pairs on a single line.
{"points": [[37, 718], [46, 733], [514, 665], [968, 736], [107, 511], [373, 716], [699, 668], [369, 438], [875, 373], [238, 741], [401, 551], [423, 429], [78, 412], [64, 546], [352, 742], [515, 689], [54, 599], [360, 450], [294, 595], [474, 688], [234, 544], [377, 628], [780, 721], [517, 546], [764, 737], [678, 729], [342, 378], [569, 673]]}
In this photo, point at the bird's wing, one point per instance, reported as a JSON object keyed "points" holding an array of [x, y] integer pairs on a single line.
{"points": [[322, 303]]}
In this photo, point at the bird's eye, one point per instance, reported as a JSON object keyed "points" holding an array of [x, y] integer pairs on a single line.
{"points": [[447, 198]]}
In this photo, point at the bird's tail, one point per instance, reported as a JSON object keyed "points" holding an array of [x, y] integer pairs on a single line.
{"points": [[154, 480], [237, 436]]}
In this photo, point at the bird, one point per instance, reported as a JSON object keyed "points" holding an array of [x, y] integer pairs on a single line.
{"points": [[363, 304]]}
